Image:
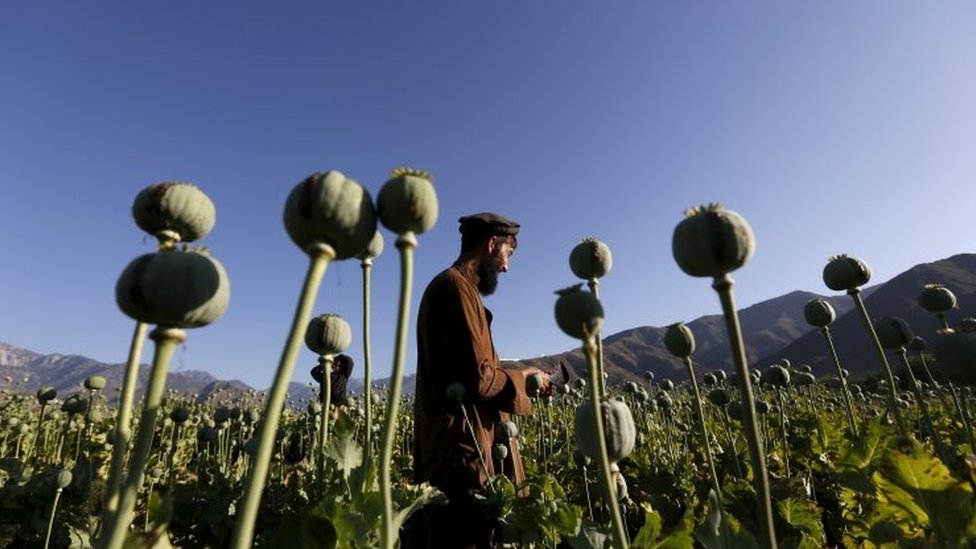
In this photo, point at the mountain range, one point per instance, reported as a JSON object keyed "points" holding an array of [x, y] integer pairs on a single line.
{"points": [[772, 330]]}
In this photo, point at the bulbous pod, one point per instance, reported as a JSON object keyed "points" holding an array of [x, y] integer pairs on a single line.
{"points": [[74, 404], [709, 379], [174, 288], [719, 396], [46, 394], [328, 334], [918, 344], [506, 430], [499, 451], [776, 375], [679, 340], [844, 272], [579, 313], [804, 379], [955, 356], [456, 391], [735, 410], [806, 368], [936, 298], [328, 208], [590, 259], [967, 325], [374, 248], [893, 332], [712, 241], [64, 478], [407, 201], [533, 384], [785, 363], [179, 207], [179, 415], [620, 433], [95, 383], [762, 407], [666, 385]]}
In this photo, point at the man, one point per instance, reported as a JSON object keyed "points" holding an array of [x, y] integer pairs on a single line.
{"points": [[454, 345]]}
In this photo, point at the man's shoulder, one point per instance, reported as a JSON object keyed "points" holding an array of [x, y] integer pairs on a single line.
{"points": [[448, 281]]}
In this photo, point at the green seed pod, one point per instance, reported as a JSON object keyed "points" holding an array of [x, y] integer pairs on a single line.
{"points": [[666, 385], [968, 325], [94, 416], [776, 375], [13, 422], [620, 433], [533, 384], [580, 459], [649, 375], [180, 208], [64, 478], [719, 396], [579, 313], [407, 202], [74, 404], [936, 298], [918, 344], [327, 208], [955, 355], [499, 452], [806, 368], [46, 394], [712, 241], [762, 407], [222, 414], [328, 334], [893, 332], [590, 259], [804, 379], [679, 340], [455, 391], [506, 430], [95, 383], [173, 288], [179, 415], [844, 272], [373, 249]]}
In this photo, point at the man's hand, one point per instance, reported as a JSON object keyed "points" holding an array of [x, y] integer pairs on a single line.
{"points": [[537, 382]]}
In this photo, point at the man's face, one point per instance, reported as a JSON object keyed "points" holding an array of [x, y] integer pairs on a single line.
{"points": [[496, 261]]}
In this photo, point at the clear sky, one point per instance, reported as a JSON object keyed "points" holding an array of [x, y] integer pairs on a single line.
{"points": [[831, 126]]}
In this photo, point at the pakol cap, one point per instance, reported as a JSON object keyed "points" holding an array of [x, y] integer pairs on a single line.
{"points": [[488, 224]]}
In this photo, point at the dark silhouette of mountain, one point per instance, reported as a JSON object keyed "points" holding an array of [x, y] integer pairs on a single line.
{"points": [[772, 330]]}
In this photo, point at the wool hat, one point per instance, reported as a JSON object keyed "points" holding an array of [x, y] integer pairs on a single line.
{"points": [[488, 224]]}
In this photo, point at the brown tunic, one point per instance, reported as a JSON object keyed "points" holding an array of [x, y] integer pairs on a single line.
{"points": [[454, 345]]}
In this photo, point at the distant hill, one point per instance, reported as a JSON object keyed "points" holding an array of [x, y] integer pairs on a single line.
{"points": [[26, 371], [772, 330]]}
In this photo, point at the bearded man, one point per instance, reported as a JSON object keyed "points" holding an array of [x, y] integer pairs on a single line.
{"points": [[455, 346]]}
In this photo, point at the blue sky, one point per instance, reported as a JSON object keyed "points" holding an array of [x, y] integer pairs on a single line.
{"points": [[831, 126]]}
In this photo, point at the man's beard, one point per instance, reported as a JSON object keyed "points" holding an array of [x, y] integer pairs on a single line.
{"points": [[488, 275]]}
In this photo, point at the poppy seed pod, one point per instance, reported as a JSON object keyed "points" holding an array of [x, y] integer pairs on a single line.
{"points": [[328, 334], [620, 433], [776, 375], [174, 288], [178, 207], [579, 313], [374, 248], [955, 355], [918, 344], [679, 340], [95, 383], [407, 201], [804, 379], [533, 384], [719, 396], [712, 241], [844, 272], [590, 259], [893, 332], [46, 394], [968, 325], [666, 385], [179, 415], [328, 208], [64, 478], [506, 430], [499, 451], [936, 298]]}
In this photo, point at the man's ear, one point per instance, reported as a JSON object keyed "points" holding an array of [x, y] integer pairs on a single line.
{"points": [[492, 244]]}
